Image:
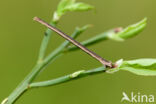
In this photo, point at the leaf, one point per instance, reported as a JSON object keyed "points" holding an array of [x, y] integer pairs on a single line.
{"points": [[70, 5], [78, 7], [63, 4], [129, 31], [146, 67]]}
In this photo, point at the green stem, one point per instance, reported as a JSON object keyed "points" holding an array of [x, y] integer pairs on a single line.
{"points": [[117, 34], [37, 69], [70, 77], [45, 42], [93, 40], [24, 85]]}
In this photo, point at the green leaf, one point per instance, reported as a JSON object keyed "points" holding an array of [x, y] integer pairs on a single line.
{"points": [[78, 7], [129, 31], [62, 5], [146, 67], [70, 5]]}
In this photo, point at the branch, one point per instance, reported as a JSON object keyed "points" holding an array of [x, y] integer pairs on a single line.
{"points": [[40, 66], [93, 40], [70, 77], [117, 34]]}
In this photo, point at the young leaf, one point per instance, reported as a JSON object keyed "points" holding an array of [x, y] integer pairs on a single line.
{"points": [[70, 5], [117, 66], [146, 67], [78, 7], [63, 4], [129, 32]]}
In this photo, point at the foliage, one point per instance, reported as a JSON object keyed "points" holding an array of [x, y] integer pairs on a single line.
{"points": [[145, 67]]}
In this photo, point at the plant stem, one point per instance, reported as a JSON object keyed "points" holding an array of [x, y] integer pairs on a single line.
{"points": [[70, 77], [45, 42], [37, 69], [24, 85], [93, 40], [94, 55]]}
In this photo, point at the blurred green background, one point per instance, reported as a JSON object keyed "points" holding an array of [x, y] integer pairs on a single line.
{"points": [[20, 39]]}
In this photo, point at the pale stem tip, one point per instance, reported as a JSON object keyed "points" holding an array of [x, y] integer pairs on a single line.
{"points": [[36, 19], [4, 101]]}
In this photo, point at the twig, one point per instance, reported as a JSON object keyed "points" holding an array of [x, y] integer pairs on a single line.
{"points": [[70, 77], [94, 55], [37, 69]]}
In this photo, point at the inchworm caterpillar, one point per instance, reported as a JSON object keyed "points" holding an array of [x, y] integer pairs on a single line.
{"points": [[94, 55]]}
